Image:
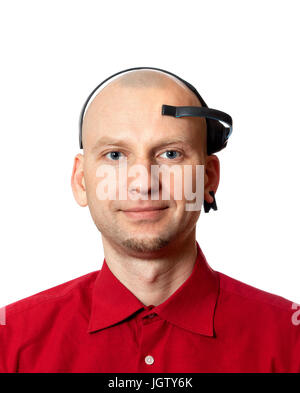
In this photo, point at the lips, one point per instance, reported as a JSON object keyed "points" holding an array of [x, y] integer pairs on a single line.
{"points": [[145, 209], [145, 213]]}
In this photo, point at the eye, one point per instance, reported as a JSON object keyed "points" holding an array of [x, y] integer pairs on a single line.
{"points": [[170, 154], [114, 155]]}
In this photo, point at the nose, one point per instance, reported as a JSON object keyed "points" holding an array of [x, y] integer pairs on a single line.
{"points": [[141, 182]]}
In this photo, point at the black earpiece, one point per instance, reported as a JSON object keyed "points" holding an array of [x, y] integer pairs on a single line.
{"points": [[212, 205]]}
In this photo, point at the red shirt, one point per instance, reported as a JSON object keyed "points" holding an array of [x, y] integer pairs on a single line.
{"points": [[212, 323]]}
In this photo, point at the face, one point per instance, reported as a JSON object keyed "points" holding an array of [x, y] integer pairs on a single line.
{"points": [[123, 127]]}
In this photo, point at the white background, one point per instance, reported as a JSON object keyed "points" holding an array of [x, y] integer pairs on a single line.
{"points": [[243, 57]]}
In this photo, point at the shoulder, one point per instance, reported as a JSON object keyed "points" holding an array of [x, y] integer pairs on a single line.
{"points": [[52, 311], [52, 296], [241, 292], [251, 309], [268, 322]]}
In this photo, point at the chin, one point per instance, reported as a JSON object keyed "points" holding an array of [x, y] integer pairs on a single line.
{"points": [[145, 244]]}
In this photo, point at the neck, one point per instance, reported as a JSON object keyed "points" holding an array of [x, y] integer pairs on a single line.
{"points": [[152, 277]]}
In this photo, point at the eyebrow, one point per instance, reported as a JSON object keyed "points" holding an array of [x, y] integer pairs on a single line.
{"points": [[108, 141]]}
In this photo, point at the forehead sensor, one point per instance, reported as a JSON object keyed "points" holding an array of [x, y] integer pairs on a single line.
{"points": [[198, 111]]}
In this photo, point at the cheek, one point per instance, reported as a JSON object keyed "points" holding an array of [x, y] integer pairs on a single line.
{"points": [[90, 171], [100, 185]]}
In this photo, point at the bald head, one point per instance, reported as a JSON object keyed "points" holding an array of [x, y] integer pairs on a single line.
{"points": [[148, 78], [150, 89]]}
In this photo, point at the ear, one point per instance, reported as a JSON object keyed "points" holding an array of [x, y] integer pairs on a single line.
{"points": [[212, 176], [77, 181]]}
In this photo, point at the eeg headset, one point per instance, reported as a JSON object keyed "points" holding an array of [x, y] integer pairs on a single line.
{"points": [[217, 133]]}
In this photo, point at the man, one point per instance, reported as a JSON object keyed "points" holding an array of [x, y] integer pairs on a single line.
{"points": [[155, 305]]}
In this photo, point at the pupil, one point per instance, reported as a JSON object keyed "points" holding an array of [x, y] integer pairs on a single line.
{"points": [[114, 154]]}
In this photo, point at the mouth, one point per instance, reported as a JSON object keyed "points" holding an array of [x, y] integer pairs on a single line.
{"points": [[145, 213]]}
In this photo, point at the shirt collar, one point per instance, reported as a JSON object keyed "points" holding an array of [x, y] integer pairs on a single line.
{"points": [[190, 307]]}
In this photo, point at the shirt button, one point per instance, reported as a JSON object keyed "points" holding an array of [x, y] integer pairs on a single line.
{"points": [[149, 359]]}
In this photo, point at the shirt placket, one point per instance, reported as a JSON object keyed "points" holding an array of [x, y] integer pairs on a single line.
{"points": [[150, 329]]}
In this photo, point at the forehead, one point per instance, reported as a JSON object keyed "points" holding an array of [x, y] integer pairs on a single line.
{"points": [[134, 112]]}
